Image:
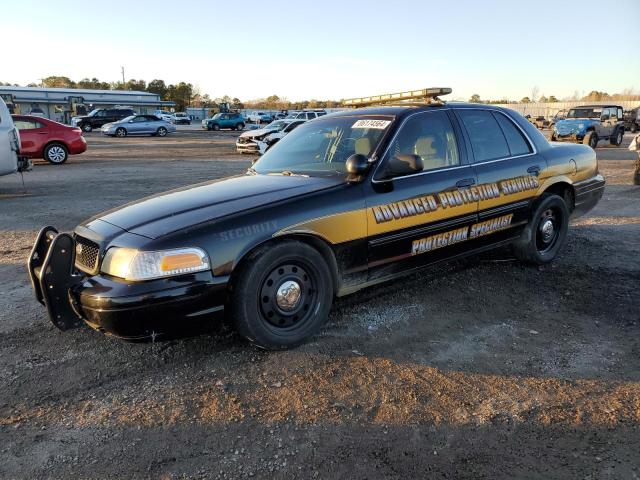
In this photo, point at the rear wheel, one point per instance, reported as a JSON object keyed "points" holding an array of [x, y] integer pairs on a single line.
{"points": [[161, 132], [56, 153], [616, 138], [282, 295], [591, 139], [544, 236], [121, 132]]}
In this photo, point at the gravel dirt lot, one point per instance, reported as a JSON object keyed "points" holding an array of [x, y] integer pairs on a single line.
{"points": [[482, 368]]}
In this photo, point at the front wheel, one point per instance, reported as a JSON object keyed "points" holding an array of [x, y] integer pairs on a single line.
{"points": [[56, 154], [282, 295], [591, 139], [121, 132], [161, 132], [544, 236], [240, 126], [215, 127], [86, 127]]}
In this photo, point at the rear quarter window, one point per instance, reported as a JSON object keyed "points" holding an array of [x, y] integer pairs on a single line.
{"points": [[486, 137], [518, 144]]}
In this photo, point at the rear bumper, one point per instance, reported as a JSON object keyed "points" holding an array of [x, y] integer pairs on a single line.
{"points": [[588, 194], [131, 310], [78, 146]]}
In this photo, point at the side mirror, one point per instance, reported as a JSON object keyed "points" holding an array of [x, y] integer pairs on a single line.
{"points": [[130, 121], [405, 164], [357, 164]]}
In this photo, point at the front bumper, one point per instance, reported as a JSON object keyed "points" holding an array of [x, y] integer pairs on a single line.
{"points": [[131, 310], [575, 137], [251, 146]]}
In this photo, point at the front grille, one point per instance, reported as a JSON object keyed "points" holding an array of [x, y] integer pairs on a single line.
{"points": [[87, 253], [244, 140]]}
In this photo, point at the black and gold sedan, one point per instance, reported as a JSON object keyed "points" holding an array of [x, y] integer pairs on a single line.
{"points": [[343, 202]]}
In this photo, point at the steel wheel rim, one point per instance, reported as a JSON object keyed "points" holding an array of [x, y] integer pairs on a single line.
{"points": [[288, 296], [548, 230], [56, 154]]}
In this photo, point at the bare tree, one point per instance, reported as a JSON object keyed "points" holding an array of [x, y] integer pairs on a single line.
{"points": [[534, 93]]}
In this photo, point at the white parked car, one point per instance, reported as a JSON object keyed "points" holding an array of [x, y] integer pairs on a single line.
{"points": [[255, 141], [271, 139], [166, 116], [9, 142]]}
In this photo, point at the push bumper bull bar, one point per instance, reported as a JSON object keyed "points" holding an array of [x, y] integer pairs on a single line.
{"points": [[53, 277], [122, 309]]}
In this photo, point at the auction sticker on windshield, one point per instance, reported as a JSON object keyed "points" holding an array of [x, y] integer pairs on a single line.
{"points": [[377, 124]]}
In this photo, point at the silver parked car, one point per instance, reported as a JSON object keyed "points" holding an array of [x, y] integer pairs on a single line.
{"points": [[9, 142], [138, 125]]}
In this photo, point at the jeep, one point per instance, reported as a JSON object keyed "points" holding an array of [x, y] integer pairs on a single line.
{"points": [[589, 124]]}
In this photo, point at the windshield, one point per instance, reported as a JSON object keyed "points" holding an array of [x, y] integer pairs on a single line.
{"points": [[322, 147], [277, 125], [584, 113], [93, 113]]}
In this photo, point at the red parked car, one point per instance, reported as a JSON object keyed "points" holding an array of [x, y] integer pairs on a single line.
{"points": [[43, 138]]}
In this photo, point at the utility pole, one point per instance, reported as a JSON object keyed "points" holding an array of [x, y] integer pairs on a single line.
{"points": [[122, 70]]}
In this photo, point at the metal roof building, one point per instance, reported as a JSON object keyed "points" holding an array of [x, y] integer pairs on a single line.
{"points": [[59, 103]]}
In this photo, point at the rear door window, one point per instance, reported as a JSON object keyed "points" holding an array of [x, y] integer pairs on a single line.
{"points": [[518, 144], [487, 140], [27, 124]]}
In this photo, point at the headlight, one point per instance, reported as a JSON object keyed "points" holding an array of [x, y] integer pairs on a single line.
{"points": [[132, 264]]}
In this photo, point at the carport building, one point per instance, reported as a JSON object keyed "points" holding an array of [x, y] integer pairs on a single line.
{"points": [[60, 104]]}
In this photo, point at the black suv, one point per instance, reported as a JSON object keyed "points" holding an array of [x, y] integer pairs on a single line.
{"points": [[101, 116]]}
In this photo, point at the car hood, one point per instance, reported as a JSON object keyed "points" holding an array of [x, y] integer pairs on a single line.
{"points": [[574, 122], [257, 133], [161, 214], [568, 126]]}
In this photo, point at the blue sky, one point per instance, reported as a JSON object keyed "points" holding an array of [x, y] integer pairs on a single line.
{"points": [[332, 49]]}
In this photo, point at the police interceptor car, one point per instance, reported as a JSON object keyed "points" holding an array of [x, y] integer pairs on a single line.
{"points": [[341, 203]]}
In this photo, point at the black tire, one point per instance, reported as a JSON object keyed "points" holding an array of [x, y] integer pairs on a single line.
{"points": [[553, 137], [616, 138], [544, 236], [260, 315], [86, 127], [121, 132], [161, 132], [55, 153], [215, 127], [591, 139], [240, 127]]}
